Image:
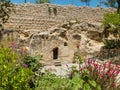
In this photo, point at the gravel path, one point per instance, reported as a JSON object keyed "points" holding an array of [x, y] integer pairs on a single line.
{"points": [[61, 70]]}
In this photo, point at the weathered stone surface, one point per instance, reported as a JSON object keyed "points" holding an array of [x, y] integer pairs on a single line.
{"points": [[61, 43], [37, 16], [58, 36]]}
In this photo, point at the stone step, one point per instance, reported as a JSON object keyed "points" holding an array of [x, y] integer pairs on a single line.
{"points": [[57, 63]]}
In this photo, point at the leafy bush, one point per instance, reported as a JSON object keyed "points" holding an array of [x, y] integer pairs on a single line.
{"points": [[73, 81], [5, 10], [13, 76], [104, 74], [33, 62], [112, 43], [113, 21]]}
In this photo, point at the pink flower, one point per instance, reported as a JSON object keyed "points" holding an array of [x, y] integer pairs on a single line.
{"points": [[94, 61], [96, 66], [24, 65], [104, 65], [102, 76], [89, 61], [67, 65], [116, 72], [110, 72], [100, 67], [117, 66]]}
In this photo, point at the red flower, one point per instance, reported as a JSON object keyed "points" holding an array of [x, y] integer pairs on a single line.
{"points": [[96, 66], [89, 61], [102, 76], [110, 72]]}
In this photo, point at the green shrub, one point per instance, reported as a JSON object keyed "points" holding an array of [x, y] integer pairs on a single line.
{"points": [[13, 76], [73, 81], [33, 62], [112, 44], [113, 20]]}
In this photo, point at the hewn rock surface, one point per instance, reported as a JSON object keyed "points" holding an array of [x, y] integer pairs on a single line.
{"points": [[39, 17], [81, 37], [58, 35]]}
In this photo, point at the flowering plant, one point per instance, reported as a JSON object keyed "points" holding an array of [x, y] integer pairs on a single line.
{"points": [[104, 74]]}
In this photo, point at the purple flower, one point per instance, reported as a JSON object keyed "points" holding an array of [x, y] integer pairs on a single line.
{"points": [[13, 45], [21, 50], [24, 65]]}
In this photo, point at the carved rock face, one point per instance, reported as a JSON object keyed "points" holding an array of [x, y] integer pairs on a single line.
{"points": [[84, 39], [94, 35]]}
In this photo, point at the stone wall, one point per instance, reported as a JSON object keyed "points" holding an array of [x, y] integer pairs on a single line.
{"points": [[40, 17], [61, 43]]}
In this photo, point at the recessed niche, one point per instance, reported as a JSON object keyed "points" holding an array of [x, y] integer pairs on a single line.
{"points": [[65, 44], [55, 53]]}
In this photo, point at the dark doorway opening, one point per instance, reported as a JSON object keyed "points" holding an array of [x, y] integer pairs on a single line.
{"points": [[65, 44], [55, 53]]}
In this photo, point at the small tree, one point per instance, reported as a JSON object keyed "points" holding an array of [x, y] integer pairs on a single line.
{"points": [[25, 1], [5, 9], [118, 9], [110, 3], [86, 1], [42, 1]]}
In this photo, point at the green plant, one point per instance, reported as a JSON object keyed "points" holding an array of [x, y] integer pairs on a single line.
{"points": [[77, 58], [104, 74], [13, 76], [33, 62], [112, 44], [82, 80], [113, 21], [5, 10], [42, 1], [50, 81]]}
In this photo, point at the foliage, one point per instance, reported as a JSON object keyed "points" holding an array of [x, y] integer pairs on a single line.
{"points": [[110, 3], [85, 81], [86, 1], [104, 74], [73, 81], [33, 62], [113, 21], [51, 82], [5, 10], [13, 76], [42, 1], [112, 44], [77, 58]]}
